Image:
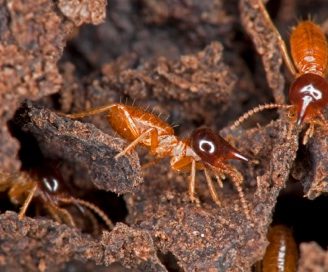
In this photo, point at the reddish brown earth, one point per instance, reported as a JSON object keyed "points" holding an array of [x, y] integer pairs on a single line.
{"points": [[201, 63]]}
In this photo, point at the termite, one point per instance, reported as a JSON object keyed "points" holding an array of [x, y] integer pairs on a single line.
{"points": [[281, 254], [308, 93], [203, 150], [48, 187]]}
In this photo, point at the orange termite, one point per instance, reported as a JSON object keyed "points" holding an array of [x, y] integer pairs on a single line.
{"points": [[308, 65], [203, 150], [48, 186], [281, 254]]}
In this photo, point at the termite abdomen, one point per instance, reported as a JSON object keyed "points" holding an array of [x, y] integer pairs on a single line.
{"points": [[281, 254], [309, 48]]}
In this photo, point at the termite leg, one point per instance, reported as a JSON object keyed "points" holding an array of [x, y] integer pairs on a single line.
{"points": [[181, 164], [93, 220], [192, 182], [211, 188], [218, 176], [53, 212], [219, 181], [61, 215], [90, 112], [27, 202], [67, 217], [281, 43], [308, 133], [134, 143], [320, 121], [153, 141], [90, 206]]}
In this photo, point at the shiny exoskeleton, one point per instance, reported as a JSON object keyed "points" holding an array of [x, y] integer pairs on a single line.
{"points": [[203, 150], [46, 185], [281, 254], [308, 93]]}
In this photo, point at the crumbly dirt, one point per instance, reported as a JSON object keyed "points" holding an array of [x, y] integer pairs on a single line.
{"points": [[49, 246], [90, 149], [32, 37], [313, 258], [194, 63]]}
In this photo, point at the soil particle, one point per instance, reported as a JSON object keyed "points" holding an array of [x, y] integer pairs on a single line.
{"points": [[91, 150]]}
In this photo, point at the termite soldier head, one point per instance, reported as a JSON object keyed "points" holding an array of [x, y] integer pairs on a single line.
{"points": [[212, 148], [309, 95]]}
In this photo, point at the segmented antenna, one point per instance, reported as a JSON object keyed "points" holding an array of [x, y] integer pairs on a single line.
{"points": [[92, 207], [257, 109]]}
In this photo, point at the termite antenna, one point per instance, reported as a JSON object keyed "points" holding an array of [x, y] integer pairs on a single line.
{"points": [[92, 207], [257, 109]]}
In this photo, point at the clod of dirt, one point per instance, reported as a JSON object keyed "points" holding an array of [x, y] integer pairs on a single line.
{"points": [[315, 161], [130, 247], [313, 258], [197, 87], [201, 75], [266, 44], [156, 28], [85, 11], [43, 245], [85, 146], [188, 14], [32, 37], [211, 238]]}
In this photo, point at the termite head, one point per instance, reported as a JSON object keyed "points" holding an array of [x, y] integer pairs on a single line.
{"points": [[50, 181], [309, 95], [212, 148]]}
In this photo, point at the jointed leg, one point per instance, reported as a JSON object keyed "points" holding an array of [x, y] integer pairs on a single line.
{"points": [[219, 181], [192, 181], [92, 207], [153, 140], [27, 202], [61, 215], [281, 43], [134, 143], [90, 112], [219, 176], [93, 220], [308, 134], [211, 188], [53, 212]]}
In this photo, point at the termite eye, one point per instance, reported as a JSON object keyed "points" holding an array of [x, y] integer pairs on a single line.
{"points": [[309, 94], [50, 184], [50, 179]]}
